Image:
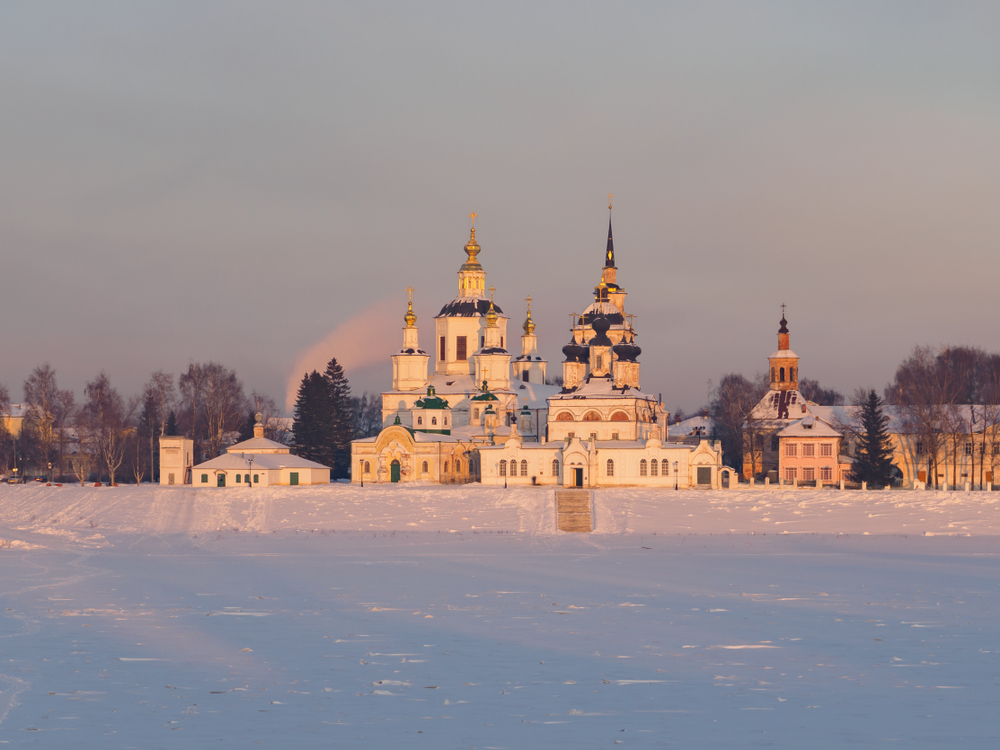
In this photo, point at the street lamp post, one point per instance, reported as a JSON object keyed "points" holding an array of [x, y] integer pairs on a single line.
{"points": [[250, 468], [675, 475], [361, 471]]}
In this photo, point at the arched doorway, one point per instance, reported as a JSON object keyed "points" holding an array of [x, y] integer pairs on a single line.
{"points": [[394, 471]]}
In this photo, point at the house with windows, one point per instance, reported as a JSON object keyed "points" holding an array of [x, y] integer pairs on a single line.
{"points": [[809, 451], [250, 463]]}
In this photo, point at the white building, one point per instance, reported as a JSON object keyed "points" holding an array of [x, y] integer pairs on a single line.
{"points": [[482, 417], [255, 462]]}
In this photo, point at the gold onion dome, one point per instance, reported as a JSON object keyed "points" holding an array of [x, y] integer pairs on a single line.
{"points": [[529, 324], [410, 316], [491, 316], [472, 250]]}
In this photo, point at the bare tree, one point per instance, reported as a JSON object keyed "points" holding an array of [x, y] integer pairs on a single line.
{"points": [[109, 417], [224, 405], [732, 411], [367, 415], [6, 441], [159, 396], [48, 408]]}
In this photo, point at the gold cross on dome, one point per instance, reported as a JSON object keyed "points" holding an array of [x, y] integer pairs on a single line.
{"points": [[473, 216], [492, 289], [610, 196], [409, 291], [528, 300]]}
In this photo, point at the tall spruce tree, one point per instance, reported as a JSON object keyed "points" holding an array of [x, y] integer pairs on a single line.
{"points": [[311, 433], [341, 419], [873, 462]]}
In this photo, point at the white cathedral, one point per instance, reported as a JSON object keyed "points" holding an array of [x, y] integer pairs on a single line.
{"points": [[484, 416]]}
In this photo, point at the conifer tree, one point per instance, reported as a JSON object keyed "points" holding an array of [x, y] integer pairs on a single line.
{"points": [[873, 462], [311, 430], [341, 419], [172, 424]]}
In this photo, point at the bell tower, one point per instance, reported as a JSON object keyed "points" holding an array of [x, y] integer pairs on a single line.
{"points": [[409, 364], [784, 363]]}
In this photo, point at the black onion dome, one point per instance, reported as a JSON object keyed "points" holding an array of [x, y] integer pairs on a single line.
{"points": [[784, 325], [601, 326], [575, 352], [465, 307]]}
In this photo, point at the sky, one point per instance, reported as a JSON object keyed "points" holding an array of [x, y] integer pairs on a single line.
{"points": [[257, 183]]}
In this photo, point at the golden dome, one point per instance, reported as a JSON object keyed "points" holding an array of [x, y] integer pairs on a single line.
{"points": [[410, 316], [529, 324], [491, 316]]}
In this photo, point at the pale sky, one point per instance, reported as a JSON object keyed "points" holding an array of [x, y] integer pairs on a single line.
{"points": [[246, 181]]}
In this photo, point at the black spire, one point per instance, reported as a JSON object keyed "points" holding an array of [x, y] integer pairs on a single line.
{"points": [[609, 256]]}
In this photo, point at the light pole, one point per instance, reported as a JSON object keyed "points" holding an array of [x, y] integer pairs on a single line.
{"points": [[675, 476], [50, 472], [361, 471], [250, 468]]}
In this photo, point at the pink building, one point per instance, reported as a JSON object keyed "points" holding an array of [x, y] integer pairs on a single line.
{"points": [[809, 450]]}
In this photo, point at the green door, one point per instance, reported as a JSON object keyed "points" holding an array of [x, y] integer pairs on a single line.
{"points": [[293, 477], [221, 480], [394, 471]]}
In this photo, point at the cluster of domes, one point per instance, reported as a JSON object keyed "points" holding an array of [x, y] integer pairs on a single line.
{"points": [[626, 350]]}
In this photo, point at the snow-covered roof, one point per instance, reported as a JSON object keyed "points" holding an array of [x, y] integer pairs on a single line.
{"points": [[809, 426], [601, 388], [692, 427], [260, 460], [784, 354], [258, 445]]}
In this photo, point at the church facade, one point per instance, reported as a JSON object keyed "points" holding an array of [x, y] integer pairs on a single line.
{"points": [[483, 415]]}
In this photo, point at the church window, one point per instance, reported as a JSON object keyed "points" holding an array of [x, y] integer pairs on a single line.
{"points": [[420, 421], [445, 469], [524, 376], [591, 416], [808, 474], [503, 468], [475, 413], [524, 468], [458, 466], [598, 364], [652, 468], [482, 341], [446, 421], [619, 416], [555, 467], [791, 374], [441, 352], [808, 450], [826, 449], [791, 449], [434, 421], [643, 467], [610, 468], [781, 372], [772, 374], [460, 352], [501, 342], [368, 468], [564, 416], [204, 478], [423, 468]]}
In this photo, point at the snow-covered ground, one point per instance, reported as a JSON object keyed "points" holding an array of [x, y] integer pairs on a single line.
{"points": [[458, 617]]}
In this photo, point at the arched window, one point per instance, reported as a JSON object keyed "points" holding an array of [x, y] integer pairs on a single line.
{"points": [[652, 468], [446, 421], [611, 468], [555, 467], [564, 416], [643, 467], [665, 465], [458, 466], [524, 468], [781, 372], [619, 416], [503, 468], [791, 374], [423, 467], [368, 468], [420, 421], [434, 421], [772, 374], [475, 413], [591, 416]]}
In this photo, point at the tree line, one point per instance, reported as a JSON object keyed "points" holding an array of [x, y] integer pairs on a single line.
{"points": [[113, 438]]}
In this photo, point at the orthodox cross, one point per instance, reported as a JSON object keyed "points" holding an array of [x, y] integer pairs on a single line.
{"points": [[631, 320], [528, 300], [473, 216], [409, 291], [782, 309], [492, 289]]}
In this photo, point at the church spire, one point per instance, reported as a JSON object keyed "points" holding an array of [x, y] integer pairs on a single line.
{"points": [[609, 255], [471, 276]]}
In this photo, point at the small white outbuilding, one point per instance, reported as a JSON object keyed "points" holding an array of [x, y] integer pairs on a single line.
{"points": [[259, 461]]}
